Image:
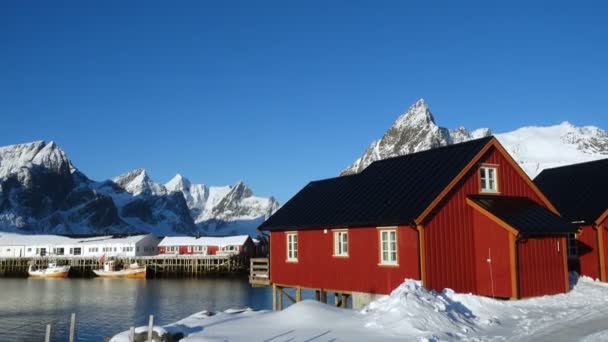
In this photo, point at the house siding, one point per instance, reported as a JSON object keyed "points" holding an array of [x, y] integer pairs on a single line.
{"points": [[541, 266], [492, 258], [360, 271], [450, 250], [588, 252]]}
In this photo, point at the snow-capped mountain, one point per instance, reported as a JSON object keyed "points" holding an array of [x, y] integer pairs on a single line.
{"points": [[223, 209], [534, 148], [41, 191], [415, 130]]}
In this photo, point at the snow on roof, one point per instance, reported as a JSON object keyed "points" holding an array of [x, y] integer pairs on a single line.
{"points": [[13, 239], [204, 241]]}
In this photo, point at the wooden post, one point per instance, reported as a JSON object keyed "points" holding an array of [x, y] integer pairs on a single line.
{"points": [[317, 295], [132, 334], [280, 298], [345, 300], [47, 335], [73, 327], [150, 328], [323, 296], [298, 294], [274, 297], [336, 299]]}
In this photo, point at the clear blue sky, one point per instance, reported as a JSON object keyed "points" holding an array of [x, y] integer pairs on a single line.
{"points": [[280, 93]]}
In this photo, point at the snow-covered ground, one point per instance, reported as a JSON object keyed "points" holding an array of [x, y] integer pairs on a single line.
{"points": [[413, 313]]}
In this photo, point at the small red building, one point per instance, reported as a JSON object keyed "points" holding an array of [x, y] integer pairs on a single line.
{"points": [[464, 216], [187, 245], [580, 192]]}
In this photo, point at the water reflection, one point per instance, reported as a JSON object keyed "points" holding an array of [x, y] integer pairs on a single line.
{"points": [[106, 306]]}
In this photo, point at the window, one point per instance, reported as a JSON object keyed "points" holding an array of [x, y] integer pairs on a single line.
{"points": [[388, 247], [107, 249], [341, 243], [76, 251], [29, 250], [572, 245], [292, 247], [488, 179], [200, 249], [59, 251], [93, 249]]}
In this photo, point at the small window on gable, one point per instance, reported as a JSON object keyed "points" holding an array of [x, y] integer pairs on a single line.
{"points": [[488, 178], [292, 247]]}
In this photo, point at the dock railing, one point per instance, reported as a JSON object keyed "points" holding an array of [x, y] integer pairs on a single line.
{"points": [[259, 272]]}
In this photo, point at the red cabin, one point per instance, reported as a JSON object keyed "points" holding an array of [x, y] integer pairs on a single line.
{"points": [[579, 192], [464, 216], [189, 245]]}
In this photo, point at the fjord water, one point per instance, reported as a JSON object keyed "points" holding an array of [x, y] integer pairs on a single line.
{"points": [[105, 307]]}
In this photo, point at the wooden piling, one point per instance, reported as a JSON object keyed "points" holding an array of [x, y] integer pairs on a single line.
{"points": [[72, 327], [150, 328], [47, 335]]}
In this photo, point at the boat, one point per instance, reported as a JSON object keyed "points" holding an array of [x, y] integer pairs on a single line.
{"points": [[52, 270], [112, 270]]}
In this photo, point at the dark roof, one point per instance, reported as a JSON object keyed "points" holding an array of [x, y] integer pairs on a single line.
{"points": [[388, 192], [525, 215], [579, 191]]}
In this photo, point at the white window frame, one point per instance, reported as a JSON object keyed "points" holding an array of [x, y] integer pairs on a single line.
{"points": [[291, 239], [389, 249], [341, 243], [488, 175]]}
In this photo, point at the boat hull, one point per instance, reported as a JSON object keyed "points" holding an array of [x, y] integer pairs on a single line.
{"points": [[59, 273], [128, 273]]}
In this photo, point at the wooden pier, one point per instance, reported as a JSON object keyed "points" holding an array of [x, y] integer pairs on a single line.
{"points": [[157, 266], [259, 276]]}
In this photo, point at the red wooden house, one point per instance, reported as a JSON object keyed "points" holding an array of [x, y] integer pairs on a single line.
{"points": [[189, 245], [580, 192], [464, 217]]}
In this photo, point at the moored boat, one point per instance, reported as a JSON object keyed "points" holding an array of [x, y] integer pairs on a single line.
{"points": [[112, 270], [52, 270]]}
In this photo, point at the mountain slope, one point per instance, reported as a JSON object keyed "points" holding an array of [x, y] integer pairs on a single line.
{"points": [[41, 191], [534, 148]]}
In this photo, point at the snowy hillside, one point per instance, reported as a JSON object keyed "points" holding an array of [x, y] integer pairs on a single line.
{"points": [[534, 148], [538, 148], [41, 191]]}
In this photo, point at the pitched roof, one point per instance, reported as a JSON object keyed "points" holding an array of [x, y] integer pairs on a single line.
{"points": [[523, 214], [238, 240], [388, 192], [579, 191]]}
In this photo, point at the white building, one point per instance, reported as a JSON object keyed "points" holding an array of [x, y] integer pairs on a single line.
{"points": [[19, 245]]}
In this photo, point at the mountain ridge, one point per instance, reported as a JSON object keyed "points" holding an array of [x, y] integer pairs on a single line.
{"points": [[534, 147], [41, 191]]}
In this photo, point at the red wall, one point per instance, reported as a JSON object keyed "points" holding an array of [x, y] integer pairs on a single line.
{"points": [[604, 226], [211, 250], [491, 242], [588, 256], [317, 268], [541, 266], [450, 251]]}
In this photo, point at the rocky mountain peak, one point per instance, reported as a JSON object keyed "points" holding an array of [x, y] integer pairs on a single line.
{"points": [[178, 183], [138, 182], [415, 130], [14, 158]]}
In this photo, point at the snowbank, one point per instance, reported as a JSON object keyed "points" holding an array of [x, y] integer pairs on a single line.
{"points": [[411, 312]]}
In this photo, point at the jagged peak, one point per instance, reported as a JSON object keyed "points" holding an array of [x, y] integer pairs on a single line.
{"points": [[417, 114], [177, 183]]}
